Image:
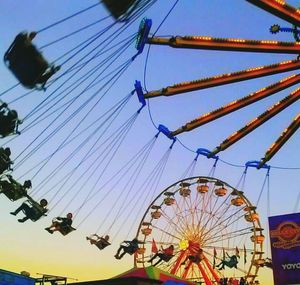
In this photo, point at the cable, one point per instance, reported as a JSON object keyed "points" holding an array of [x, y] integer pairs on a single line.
{"points": [[67, 18], [74, 33]]}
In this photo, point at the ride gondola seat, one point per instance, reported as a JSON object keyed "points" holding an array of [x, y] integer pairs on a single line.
{"points": [[167, 257], [156, 214], [25, 61], [11, 192], [36, 211], [66, 230], [102, 243], [59, 225], [118, 8]]}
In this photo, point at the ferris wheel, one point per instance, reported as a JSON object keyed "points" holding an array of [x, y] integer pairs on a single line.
{"points": [[213, 228]]}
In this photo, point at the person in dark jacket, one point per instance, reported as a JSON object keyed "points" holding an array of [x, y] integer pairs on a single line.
{"points": [[60, 224]]}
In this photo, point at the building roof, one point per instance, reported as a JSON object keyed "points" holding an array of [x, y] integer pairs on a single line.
{"points": [[9, 278]]}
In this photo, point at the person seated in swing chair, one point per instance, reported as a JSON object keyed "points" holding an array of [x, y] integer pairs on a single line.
{"points": [[230, 262], [61, 224], [197, 257], [5, 162], [27, 63], [131, 247], [9, 121], [165, 254], [32, 210], [100, 242], [12, 189]]}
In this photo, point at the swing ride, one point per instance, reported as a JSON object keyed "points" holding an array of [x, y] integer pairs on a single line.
{"points": [[74, 142]]}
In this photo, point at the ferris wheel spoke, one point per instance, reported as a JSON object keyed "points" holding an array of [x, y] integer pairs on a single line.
{"points": [[185, 217], [209, 220], [220, 222], [213, 231], [178, 226], [165, 232], [212, 218], [240, 231], [221, 208], [228, 238], [169, 219]]}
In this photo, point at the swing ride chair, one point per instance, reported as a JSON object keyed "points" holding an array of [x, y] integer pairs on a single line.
{"points": [[37, 211], [279, 9], [120, 9], [13, 191], [9, 121], [27, 63], [129, 249], [5, 166], [64, 230], [203, 218], [100, 243]]}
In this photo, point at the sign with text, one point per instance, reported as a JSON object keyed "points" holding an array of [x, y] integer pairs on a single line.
{"points": [[285, 247]]}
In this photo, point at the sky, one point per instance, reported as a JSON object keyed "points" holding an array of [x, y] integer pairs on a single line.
{"points": [[57, 154]]}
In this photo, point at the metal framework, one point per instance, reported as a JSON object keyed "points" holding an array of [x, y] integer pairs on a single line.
{"points": [[51, 279], [276, 7]]}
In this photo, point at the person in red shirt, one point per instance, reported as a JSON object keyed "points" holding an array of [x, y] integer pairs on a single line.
{"points": [[165, 254]]}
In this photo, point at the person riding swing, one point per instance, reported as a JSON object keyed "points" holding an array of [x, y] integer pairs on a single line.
{"points": [[5, 162], [165, 254], [32, 210], [100, 242], [9, 121], [230, 262], [131, 247], [12, 189], [61, 224]]}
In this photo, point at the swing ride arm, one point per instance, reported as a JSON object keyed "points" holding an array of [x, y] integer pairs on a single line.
{"points": [[255, 123], [225, 79], [284, 137], [238, 104], [232, 44], [280, 9]]}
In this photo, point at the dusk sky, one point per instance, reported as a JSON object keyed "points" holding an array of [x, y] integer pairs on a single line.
{"points": [[77, 159]]}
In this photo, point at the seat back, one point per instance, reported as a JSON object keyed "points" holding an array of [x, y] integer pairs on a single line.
{"points": [[66, 230], [118, 8], [26, 63], [102, 243]]}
